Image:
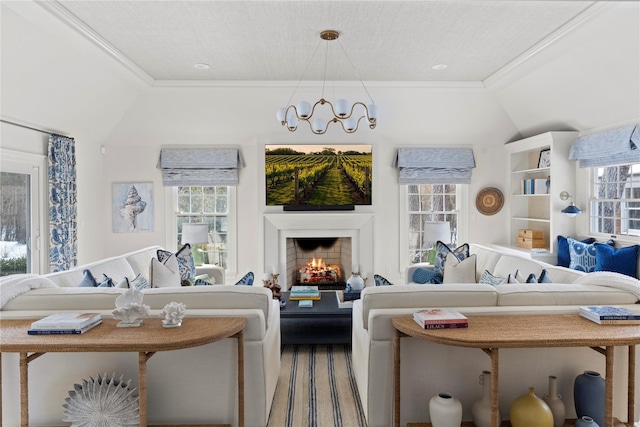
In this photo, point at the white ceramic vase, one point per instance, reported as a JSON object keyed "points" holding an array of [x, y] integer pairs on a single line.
{"points": [[554, 400], [481, 408], [355, 283], [445, 411]]}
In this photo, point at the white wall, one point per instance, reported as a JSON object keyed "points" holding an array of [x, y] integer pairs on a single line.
{"points": [[105, 105]]}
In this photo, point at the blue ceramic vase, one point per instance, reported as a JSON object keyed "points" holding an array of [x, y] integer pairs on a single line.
{"points": [[586, 422], [588, 396]]}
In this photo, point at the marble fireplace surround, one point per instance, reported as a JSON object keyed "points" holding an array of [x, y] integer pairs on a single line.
{"points": [[279, 227]]}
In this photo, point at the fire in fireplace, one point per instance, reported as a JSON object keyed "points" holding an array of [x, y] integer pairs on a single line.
{"points": [[318, 261]]}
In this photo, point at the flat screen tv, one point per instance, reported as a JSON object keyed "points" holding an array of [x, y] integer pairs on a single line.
{"points": [[318, 177]]}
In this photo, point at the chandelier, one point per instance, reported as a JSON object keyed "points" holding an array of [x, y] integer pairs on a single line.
{"points": [[349, 116]]}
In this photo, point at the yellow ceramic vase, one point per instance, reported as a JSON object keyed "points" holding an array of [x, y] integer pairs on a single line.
{"points": [[529, 410]]}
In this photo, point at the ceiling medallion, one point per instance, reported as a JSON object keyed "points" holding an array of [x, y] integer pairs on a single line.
{"points": [[348, 116]]}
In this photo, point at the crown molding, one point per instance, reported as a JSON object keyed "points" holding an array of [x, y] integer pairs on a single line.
{"points": [[313, 84], [57, 10], [509, 69]]}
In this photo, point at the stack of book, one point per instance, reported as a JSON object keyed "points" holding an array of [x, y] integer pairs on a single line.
{"points": [[440, 318], [65, 323], [610, 315], [304, 292]]}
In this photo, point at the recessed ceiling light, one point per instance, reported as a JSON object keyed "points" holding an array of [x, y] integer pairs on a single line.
{"points": [[439, 66], [202, 66]]}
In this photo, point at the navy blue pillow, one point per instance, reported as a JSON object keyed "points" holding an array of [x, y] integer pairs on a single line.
{"points": [[623, 260], [564, 259]]}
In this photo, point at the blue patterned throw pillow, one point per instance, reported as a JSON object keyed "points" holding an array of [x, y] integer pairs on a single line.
{"points": [[583, 255], [247, 279], [88, 281], [564, 258], [490, 279], [442, 250], [426, 275], [543, 278], [186, 265], [623, 260], [381, 281]]}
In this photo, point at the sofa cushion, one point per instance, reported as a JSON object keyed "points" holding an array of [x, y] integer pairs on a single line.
{"points": [[486, 259], [490, 279], [563, 275], [442, 253], [165, 275], [508, 264], [457, 271], [423, 275], [140, 261], [623, 260], [66, 299], [564, 258], [552, 294], [583, 255]]}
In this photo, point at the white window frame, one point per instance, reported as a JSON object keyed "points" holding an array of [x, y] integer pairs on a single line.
{"points": [[35, 166], [463, 215], [171, 195], [591, 197]]}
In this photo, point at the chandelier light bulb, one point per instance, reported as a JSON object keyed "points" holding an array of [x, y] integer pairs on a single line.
{"points": [[304, 109], [342, 107], [342, 111]]}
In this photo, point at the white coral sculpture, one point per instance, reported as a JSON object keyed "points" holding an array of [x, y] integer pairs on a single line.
{"points": [[132, 207], [129, 308], [173, 313]]}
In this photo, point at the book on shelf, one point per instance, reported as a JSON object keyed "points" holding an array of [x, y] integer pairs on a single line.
{"points": [[610, 315], [80, 330], [72, 321], [439, 316]]}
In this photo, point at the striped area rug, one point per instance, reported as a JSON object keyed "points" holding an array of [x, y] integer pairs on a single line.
{"points": [[316, 388]]}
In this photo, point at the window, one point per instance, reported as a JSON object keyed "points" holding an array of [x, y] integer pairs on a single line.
{"points": [[209, 205], [615, 200], [430, 202], [21, 218]]}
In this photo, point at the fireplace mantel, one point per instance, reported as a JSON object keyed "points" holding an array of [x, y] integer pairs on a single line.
{"points": [[279, 227]]}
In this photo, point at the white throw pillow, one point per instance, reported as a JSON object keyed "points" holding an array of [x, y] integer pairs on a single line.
{"points": [[460, 271], [165, 275]]}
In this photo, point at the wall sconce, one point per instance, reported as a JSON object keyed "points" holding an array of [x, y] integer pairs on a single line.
{"points": [[572, 209]]}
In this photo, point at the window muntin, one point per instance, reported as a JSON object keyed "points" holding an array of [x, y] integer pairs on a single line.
{"points": [[429, 202], [615, 200], [209, 205]]}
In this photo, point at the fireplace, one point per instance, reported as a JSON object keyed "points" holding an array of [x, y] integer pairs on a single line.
{"points": [[318, 261], [354, 231]]}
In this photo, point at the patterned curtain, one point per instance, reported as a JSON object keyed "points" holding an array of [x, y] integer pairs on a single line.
{"points": [[63, 246]]}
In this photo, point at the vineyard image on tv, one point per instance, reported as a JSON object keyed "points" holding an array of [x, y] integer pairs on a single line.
{"points": [[318, 175]]}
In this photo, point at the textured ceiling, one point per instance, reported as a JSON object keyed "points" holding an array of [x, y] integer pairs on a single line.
{"points": [[274, 40]]}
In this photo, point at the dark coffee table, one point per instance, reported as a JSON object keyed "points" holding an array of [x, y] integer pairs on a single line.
{"points": [[324, 323]]}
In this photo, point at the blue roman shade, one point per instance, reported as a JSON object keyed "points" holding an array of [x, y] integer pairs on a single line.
{"points": [[199, 166], [608, 148], [434, 165]]}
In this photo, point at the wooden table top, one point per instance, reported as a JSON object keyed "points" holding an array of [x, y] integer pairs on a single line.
{"points": [[106, 337], [525, 331]]}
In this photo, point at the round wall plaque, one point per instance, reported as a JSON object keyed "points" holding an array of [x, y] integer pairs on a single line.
{"points": [[489, 201]]}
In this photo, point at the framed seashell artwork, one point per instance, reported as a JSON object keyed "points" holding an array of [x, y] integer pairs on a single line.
{"points": [[132, 207]]}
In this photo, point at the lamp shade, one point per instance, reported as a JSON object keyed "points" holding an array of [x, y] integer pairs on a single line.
{"points": [[195, 233], [437, 230], [571, 210]]}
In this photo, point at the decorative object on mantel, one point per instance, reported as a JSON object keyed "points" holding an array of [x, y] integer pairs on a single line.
{"points": [[273, 285], [554, 400], [572, 209], [589, 396], [489, 201], [445, 411], [341, 112], [481, 408], [129, 309], [102, 401], [173, 314], [529, 410]]}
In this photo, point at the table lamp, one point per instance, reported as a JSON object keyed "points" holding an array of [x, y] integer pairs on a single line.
{"points": [[195, 234], [431, 233]]}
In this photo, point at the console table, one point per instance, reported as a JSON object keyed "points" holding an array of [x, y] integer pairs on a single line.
{"points": [[490, 333], [146, 340]]}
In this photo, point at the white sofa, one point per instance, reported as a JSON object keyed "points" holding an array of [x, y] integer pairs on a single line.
{"points": [[429, 368], [196, 385]]}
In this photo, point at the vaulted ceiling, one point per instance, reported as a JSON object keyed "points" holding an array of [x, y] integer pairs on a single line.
{"points": [[390, 41]]}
